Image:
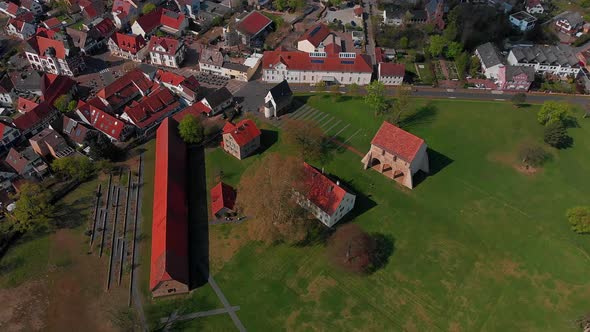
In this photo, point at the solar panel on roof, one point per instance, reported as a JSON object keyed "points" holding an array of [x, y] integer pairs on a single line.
{"points": [[315, 30]]}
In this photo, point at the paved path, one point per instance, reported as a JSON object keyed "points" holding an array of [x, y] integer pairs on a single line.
{"points": [[226, 305], [174, 318]]}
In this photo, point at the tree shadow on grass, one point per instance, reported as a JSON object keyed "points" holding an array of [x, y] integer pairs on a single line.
{"points": [[437, 162], [8, 265], [423, 115], [384, 248]]}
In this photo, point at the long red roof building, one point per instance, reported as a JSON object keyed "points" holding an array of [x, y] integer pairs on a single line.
{"points": [[169, 272]]}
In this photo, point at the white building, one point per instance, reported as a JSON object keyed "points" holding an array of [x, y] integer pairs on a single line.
{"points": [[490, 60], [213, 62], [277, 99], [327, 200], [534, 7], [552, 59], [391, 73], [312, 68], [522, 20], [57, 55], [166, 51], [21, 28]]}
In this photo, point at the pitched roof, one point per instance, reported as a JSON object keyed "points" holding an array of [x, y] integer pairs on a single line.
{"points": [[533, 3], [129, 43], [42, 45], [152, 108], [489, 55], [74, 130], [253, 23], [25, 105], [397, 141], [101, 119], [169, 257], [281, 94], [12, 8], [218, 97], [302, 61], [170, 46], [316, 34], [17, 161], [172, 19], [168, 77], [195, 110], [52, 23], [150, 21], [512, 71], [104, 28], [53, 86], [34, 117], [211, 57], [321, 191], [4, 128], [243, 132], [391, 69], [125, 87], [222, 196]]}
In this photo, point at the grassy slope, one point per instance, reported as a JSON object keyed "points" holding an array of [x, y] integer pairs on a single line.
{"points": [[477, 246]]}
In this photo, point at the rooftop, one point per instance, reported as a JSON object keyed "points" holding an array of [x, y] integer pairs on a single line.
{"points": [[397, 141]]}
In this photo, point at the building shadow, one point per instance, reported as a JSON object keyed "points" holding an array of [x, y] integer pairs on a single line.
{"points": [[267, 139], [437, 162], [198, 226]]}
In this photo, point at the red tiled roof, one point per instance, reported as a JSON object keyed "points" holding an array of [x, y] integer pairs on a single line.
{"points": [[222, 196], [253, 23], [170, 45], [17, 23], [123, 7], [41, 44], [322, 191], [397, 141], [195, 110], [358, 10], [16, 160], [100, 119], [54, 86], [105, 27], [52, 23], [169, 258], [295, 60], [316, 34], [26, 17], [169, 77], [129, 43], [379, 56], [125, 87], [150, 21], [172, 19], [243, 132], [33, 118], [333, 49], [12, 8], [392, 69], [25, 105], [152, 108], [533, 3]]}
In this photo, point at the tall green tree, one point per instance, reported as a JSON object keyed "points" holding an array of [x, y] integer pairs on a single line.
{"points": [[556, 135], [462, 63], [375, 97], [33, 208], [453, 50], [191, 130], [401, 105], [101, 146], [75, 167], [65, 104], [553, 111], [437, 45], [579, 219], [148, 8]]}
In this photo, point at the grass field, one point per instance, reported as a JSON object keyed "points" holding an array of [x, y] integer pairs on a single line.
{"points": [[477, 245]]}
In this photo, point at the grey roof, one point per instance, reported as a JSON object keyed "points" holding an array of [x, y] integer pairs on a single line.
{"points": [[512, 71], [281, 94], [489, 55], [546, 54], [235, 66], [574, 18], [211, 57], [218, 97]]}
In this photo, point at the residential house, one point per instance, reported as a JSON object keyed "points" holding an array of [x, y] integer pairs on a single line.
{"points": [[522, 21], [325, 198], [551, 59], [312, 68], [242, 139], [211, 61], [91, 9], [27, 163], [33, 6], [74, 130], [7, 92], [55, 86], [534, 7], [54, 52], [253, 26], [169, 272], [48, 142], [395, 16], [490, 60], [391, 73], [94, 113], [35, 120], [83, 41], [435, 10], [278, 98], [167, 52], [189, 8], [23, 27], [52, 23], [569, 23], [397, 154], [173, 23], [101, 30], [515, 78], [148, 112], [214, 62], [124, 11], [170, 22], [185, 87], [217, 101], [131, 47], [123, 90], [223, 200], [24, 105], [316, 38], [11, 9], [9, 136]]}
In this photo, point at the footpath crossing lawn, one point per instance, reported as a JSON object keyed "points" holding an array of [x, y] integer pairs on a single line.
{"points": [[477, 245]]}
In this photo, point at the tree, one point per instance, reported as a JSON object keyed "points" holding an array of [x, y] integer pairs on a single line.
{"points": [[402, 101], [307, 138], [533, 155], [453, 50], [320, 86], [101, 146], [450, 33], [280, 5], [267, 197], [76, 167], [65, 104], [474, 66], [579, 219], [556, 135], [553, 111], [437, 45], [462, 63], [404, 42], [148, 8], [353, 89], [191, 130], [375, 97], [33, 210], [351, 249], [518, 99]]}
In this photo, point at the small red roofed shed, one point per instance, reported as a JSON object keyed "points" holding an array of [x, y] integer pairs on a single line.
{"points": [[223, 199]]}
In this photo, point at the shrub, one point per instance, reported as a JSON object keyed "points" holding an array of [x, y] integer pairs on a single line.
{"points": [[579, 219], [533, 155], [556, 135]]}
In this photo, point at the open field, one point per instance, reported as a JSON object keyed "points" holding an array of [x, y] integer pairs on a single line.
{"points": [[478, 245]]}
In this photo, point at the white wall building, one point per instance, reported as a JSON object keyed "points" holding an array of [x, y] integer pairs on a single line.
{"points": [[391, 73], [553, 59]]}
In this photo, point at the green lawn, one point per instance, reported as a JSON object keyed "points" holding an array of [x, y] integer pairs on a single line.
{"points": [[477, 245]]}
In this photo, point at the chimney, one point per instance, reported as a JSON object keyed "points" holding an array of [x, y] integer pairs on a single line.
{"points": [[338, 183]]}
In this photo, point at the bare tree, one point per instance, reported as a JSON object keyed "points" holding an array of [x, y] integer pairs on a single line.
{"points": [[307, 138], [351, 249]]}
